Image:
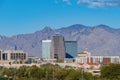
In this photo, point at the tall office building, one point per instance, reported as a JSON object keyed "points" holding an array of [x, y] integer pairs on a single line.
{"points": [[46, 49], [71, 49], [57, 47]]}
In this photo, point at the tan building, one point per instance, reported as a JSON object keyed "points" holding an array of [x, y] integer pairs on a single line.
{"points": [[12, 56], [57, 47]]}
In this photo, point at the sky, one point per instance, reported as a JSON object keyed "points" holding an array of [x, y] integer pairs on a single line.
{"points": [[28, 16]]}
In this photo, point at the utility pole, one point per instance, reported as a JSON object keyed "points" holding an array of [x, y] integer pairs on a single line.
{"points": [[53, 74], [82, 74], [46, 75]]}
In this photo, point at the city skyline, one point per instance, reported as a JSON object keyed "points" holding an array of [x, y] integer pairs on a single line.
{"points": [[21, 17]]}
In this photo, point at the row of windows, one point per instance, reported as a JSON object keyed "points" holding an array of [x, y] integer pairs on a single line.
{"points": [[18, 56], [13, 56]]}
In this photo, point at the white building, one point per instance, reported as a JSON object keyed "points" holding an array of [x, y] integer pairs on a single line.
{"points": [[86, 58], [46, 49]]}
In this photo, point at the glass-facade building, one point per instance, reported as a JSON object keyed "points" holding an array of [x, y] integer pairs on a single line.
{"points": [[46, 49], [59, 49], [71, 49]]}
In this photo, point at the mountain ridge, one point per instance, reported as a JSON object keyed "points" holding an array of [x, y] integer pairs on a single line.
{"points": [[99, 40]]}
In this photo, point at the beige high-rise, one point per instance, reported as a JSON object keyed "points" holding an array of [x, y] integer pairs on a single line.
{"points": [[57, 47]]}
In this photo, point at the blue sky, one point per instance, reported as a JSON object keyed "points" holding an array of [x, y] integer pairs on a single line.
{"points": [[28, 16]]}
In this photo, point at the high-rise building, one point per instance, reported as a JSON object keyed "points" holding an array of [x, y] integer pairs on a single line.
{"points": [[71, 49], [46, 49], [57, 47]]}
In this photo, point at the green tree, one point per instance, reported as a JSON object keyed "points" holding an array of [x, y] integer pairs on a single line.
{"points": [[60, 74], [87, 76], [21, 72], [9, 72], [111, 72], [73, 75]]}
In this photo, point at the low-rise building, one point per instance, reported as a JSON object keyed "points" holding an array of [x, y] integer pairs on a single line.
{"points": [[12, 56], [33, 59], [86, 58]]}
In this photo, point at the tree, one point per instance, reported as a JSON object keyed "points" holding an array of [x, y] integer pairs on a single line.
{"points": [[21, 72], [73, 75], [60, 74], [9, 72], [88, 76], [111, 72]]}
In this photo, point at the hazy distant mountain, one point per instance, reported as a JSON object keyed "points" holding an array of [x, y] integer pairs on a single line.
{"points": [[99, 40]]}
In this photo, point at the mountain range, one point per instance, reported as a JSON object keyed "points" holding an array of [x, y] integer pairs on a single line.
{"points": [[99, 40]]}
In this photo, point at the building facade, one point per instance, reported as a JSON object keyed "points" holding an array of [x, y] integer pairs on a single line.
{"points": [[10, 56], [57, 47], [86, 58], [71, 49], [46, 49]]}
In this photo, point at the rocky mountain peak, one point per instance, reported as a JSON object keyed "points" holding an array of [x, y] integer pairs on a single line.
{"points": [[103, 26], [47, 28], [107, 43]]}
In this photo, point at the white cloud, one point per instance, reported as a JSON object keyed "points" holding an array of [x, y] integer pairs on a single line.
{"points": [[100, 3], [95, 3]]}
